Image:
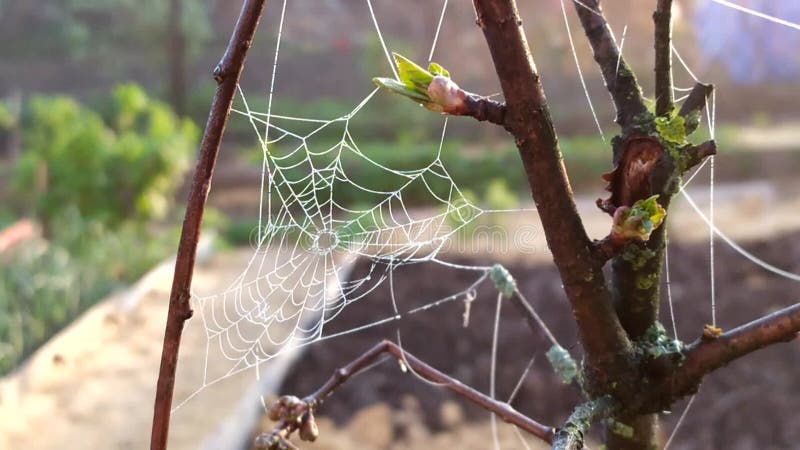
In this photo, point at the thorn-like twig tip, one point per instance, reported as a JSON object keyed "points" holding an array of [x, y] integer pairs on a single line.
{"points": [[695, 155]]}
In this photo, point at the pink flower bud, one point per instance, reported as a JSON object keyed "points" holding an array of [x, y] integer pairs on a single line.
{"points": [[445, 95]]}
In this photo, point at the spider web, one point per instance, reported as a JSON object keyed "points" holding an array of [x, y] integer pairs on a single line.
{"points": [[311, 231]]}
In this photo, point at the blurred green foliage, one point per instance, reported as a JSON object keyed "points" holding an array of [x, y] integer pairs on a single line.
{"points": [[6, 117], [44, 285], [101, 185], [499, 195], [125, 166], [400, 122]]}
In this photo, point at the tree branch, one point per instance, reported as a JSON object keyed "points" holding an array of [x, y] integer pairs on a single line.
{"points": [[484, 109], [695, 155], [227, 76], [306, 406], [607, 248], [708, 354], [527, 118], [535, 323], [696, 100], [571, 435], [620, 79], [662, 18]]}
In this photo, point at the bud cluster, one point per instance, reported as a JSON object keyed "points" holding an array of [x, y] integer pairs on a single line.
{"points": [[293, 414]]}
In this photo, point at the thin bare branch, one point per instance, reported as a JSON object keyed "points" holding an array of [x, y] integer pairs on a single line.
{"points": [[662, 18], [227, 76], [344, 374], [535, 322], [527, 118], [708, 353], [620, 79]]}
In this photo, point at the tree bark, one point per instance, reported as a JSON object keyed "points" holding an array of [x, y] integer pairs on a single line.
{"points": [[643, 429], [607, 348], [663, 65]]}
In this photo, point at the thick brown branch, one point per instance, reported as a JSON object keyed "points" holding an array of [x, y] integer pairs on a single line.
{"points": [[662, 18], [342, 375], [528, 120], [227, 75], [620, 79], [707, 355]]}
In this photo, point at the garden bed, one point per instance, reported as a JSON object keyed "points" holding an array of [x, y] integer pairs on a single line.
{"points": [[744, 406]]}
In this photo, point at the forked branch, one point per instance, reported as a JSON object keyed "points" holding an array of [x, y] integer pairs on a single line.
{"points": [[293, 416], [527, 118], [572, 435], [227, 76]]}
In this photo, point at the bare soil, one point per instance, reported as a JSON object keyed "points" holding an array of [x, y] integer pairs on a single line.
{"points": [[750, 404]]}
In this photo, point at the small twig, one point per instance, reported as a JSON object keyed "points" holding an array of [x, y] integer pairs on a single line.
{"points": [[706, 355], [485, 109], [278, 438], [571, 435], [521, 380], [662, 18], [620, 79], [227, 76], [695, 155], [535, 322], [696, 100], [342, 375]]}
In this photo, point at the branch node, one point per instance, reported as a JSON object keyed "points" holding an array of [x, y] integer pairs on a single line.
{"points": [[607, 248], [715, 349], [711, 333], [571, 435]]}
